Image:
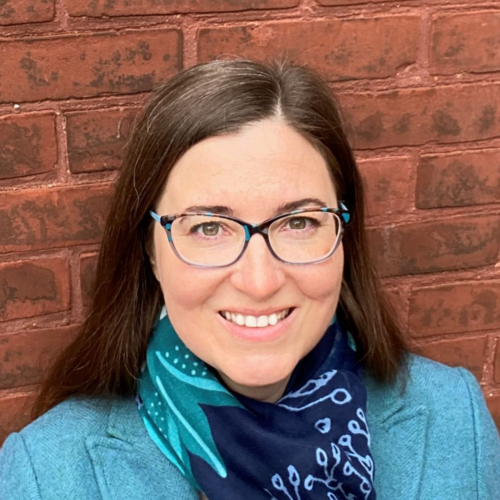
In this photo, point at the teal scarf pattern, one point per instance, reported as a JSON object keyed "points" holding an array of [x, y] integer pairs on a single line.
{"points": [[313, 443]]}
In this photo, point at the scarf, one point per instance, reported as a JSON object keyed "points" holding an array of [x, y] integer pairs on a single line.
{"points": [[313, 443]]}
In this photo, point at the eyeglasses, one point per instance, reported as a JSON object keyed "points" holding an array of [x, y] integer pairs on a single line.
{"points": [[305, 236]]}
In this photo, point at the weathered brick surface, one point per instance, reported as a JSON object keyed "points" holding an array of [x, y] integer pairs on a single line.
{"points": [[459, 179], [497, 363], [335, 3], [468, 353], [387, 185], [469, 41], [25, 356], [398, 298], [88, 267], [99, 8], [26, 11], [96, 139], [94, 61], [117, 63], [35, 287], [411, 117], [48, 218], [459, 307], [494, 407], [15, 412], [427, 247], [340, 49], [27, 145]]}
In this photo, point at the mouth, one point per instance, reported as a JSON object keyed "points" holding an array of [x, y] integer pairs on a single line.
{"points": [[261, 321]]}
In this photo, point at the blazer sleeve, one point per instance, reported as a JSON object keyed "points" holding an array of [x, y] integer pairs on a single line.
{"points": [[17, 476], [487, 442]]}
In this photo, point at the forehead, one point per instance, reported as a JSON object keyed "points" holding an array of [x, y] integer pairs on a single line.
{"points": [[266, 164]]}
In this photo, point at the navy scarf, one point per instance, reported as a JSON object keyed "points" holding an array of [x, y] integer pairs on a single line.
{"points": [[313, 443]]}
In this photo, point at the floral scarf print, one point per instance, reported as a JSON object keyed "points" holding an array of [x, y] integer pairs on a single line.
{"points": [[313, 443]]}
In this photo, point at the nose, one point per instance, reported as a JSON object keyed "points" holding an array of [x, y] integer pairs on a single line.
{"points": [[258, 273]]}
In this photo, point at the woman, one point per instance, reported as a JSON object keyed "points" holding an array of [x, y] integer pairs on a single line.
{"points": [[238, 345]]}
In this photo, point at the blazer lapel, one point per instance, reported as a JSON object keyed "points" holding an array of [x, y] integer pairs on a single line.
{"points": [[398, 432], [127, 464]]}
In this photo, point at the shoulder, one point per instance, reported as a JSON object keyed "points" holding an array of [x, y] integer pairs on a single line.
{"points": [[76, 417], [451, 399], [54, 446], [88, 448], [446, 408], [427, 382], [434, 383]]}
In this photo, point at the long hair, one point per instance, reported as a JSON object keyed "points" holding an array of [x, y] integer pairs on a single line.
{"points": [[206, 100]]}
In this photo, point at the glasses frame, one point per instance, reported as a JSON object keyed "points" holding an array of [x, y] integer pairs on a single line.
{"points": [[250, 229]]}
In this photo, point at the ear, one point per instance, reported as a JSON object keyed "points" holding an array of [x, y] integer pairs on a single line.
{"points": [[150, 252], [152, 261]]}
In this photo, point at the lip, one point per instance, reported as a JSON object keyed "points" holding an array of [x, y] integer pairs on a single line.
{"points": [[253, 312], [264, 334]]}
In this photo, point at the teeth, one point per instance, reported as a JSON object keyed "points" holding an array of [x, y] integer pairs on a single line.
{"points": [[251, 321], [255, 322], [262, 321]]}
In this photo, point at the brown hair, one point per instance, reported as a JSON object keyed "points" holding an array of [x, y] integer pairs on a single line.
{"points": [[206, 100]]}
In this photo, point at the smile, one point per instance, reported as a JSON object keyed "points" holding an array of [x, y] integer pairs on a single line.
{"points": [[256, 321]]}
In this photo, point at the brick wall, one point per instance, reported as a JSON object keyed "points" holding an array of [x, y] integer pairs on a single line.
{"points": [[420, 83]]}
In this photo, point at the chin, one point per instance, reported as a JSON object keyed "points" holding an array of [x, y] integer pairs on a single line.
{"points": [[257, 375]]}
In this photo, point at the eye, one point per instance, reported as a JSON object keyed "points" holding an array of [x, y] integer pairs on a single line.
{"points": [[207, 228], [301, 223], [297, 223]]}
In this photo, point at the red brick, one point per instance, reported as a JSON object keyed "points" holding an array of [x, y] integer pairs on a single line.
{"points": [[27, 145], [429, 247], [25, 356], [459, 179], [399, 300], [33, 288], [493, 403], [387, 185], [497, 363], [465, 42], [117, 63], [88, 268], [335, 3], [340, 48], [26, 11], [48, 218], [461, 307], [96, 139], [410, 117], [468, 353], [15, 412], [99, 8]]}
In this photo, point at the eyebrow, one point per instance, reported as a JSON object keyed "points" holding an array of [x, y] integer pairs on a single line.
{"points": [[282, 208]]}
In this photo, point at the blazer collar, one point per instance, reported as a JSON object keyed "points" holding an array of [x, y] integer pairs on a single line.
{"points": [[129, 465], [398, 429]]}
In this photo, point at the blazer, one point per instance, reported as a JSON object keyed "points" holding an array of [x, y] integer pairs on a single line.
{"points": [[435, 441]]}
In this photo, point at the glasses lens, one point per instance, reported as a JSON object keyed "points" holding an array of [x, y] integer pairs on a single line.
{"points": [[305, 237], [207, 240]]}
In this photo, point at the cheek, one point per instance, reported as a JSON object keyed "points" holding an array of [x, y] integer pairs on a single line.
{"points": [[322, 282], [185, 288]]}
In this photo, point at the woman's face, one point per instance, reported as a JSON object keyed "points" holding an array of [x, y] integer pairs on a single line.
{"points": [[253, 173]]}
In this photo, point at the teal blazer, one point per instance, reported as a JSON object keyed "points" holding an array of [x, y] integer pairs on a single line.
{"points": [[436, 441]]}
